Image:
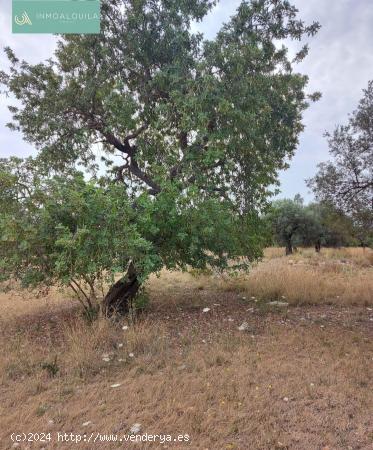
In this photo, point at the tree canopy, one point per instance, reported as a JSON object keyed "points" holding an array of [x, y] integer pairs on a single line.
{"points": [[192, 133], [346, 182]]}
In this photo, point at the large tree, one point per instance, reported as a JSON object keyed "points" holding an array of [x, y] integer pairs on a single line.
{"points": [[200, 127], [346, 182]]}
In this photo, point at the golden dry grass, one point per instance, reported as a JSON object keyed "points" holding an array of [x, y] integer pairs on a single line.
{"points": [[298, 378], [336, 276]]}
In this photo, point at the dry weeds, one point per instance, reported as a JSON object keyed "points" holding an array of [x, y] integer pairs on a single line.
{"points": [[298, 378]]}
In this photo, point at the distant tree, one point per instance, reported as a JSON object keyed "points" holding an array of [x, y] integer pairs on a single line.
{"points": [[289, 221], [346, 182], [200, 127], [335, 229]]}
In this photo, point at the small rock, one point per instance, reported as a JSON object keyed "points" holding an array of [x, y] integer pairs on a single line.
{"points": [[120, 359], [136, 428], [106, 359], [244, 326], [205, 310], [116, 385], [244, 298], [230, 319], [16, 444], [278, 303], [285, 399], [124, 327], [182, 367], [85, 424], [131, 355], [120, 345]]}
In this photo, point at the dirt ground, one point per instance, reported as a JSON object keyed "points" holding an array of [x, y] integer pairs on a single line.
{"points": [[297, 376]]}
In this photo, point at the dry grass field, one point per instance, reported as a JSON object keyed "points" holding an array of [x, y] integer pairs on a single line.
{"points": [[298, 376]]}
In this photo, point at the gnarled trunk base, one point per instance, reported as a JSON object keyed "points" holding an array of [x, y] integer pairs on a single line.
{"points": [[288, 249], [119, 297]]}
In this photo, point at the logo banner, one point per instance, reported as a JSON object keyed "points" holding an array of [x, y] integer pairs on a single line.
{"points": [[56, 16]]}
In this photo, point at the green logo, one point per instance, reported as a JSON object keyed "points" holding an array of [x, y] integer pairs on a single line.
{"points": [[24, 20], [56, 16]]}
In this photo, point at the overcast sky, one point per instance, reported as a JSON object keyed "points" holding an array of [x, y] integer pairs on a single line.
{"points": [[339, 64]]}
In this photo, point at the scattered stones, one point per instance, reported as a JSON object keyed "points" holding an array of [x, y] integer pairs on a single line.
{"points": [[205, 310], [136, 428]]}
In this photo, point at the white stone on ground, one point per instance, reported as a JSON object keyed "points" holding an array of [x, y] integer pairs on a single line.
{"points": [[136, 428], [243, 327]]}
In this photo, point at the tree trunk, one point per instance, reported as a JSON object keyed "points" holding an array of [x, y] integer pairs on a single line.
{"points": [[289, 248], [119, 297], [318, 246]]}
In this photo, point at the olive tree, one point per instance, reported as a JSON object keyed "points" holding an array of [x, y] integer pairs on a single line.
{"points": [[289, 222], [192, 133]]}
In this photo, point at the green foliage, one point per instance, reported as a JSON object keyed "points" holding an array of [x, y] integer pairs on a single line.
{"points": [[346, 182], [192, 133], [294, 224], [76, 233], [289, 222]]}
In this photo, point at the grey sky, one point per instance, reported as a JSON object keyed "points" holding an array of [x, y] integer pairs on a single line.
{"points": [[339, 65]]}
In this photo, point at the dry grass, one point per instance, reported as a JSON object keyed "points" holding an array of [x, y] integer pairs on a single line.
{"points": [[336, 276], [299, 378], [356, 255]]}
